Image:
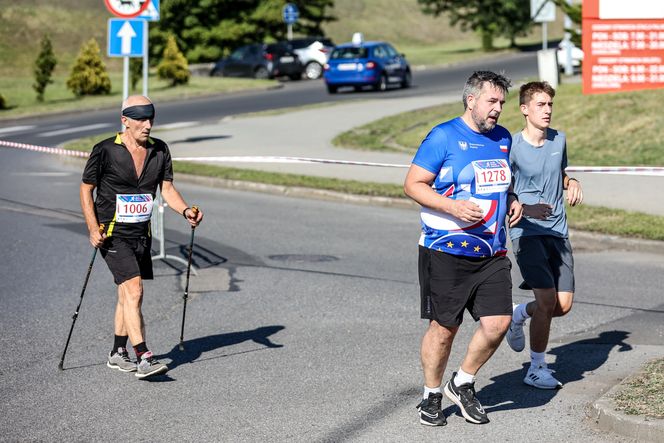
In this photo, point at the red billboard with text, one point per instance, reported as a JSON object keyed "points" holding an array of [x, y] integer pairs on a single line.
{"points": [[623, 45]]}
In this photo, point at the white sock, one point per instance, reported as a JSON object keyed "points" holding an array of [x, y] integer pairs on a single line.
{"points": [[463, 377], [537, 358], [428, 391], [520, 315]]}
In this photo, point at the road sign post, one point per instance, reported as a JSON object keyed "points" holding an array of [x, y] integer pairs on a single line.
{"points": [[290, 14], [150, 14], [543, 11]]}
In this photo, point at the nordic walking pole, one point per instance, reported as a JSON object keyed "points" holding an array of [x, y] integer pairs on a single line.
{"points": [[75, 316], [194, 209]]}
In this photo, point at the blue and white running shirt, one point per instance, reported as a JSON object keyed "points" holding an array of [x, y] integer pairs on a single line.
{"points": [[469, 166]]}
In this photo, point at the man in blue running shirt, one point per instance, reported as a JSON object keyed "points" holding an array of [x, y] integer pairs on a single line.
{"points": [[462, 179]]}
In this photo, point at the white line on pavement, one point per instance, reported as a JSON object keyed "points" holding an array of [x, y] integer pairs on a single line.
{"points": [[75, 129], [15, 129], [177, 125]]}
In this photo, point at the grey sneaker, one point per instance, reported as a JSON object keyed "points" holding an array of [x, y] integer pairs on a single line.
{"points": [[515, 336], [120, 360], [149, 366]]}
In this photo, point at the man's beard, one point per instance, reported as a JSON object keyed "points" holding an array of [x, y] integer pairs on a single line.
{"points": [[482, 124]]}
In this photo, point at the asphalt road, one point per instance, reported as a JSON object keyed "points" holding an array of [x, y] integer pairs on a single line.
{"points": [[52, 130], [302, 327]]}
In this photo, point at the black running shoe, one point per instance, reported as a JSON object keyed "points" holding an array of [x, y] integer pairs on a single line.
{"points": [[430, 412], [464, 397]]}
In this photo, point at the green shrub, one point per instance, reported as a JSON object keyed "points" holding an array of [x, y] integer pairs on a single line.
{"points": [[173, 66], [88, 75], [3, 102], [44, 66]]}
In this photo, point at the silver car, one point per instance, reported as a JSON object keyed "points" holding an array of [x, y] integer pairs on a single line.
{"points": [[313, 53]]}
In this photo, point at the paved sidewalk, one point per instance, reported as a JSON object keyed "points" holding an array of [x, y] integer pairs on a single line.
{"points": [[309, 133]]}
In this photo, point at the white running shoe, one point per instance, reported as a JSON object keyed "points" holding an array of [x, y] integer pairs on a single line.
{"points": [[515, 337], [540, 377]]}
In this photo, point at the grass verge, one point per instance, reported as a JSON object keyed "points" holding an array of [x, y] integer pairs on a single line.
{"points": [[585, 218], [644, 393], [602, 130]]}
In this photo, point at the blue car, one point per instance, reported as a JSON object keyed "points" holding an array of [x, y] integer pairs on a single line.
{"points": [[375, 64]]}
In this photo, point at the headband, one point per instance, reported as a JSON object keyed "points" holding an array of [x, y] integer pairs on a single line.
{"points": [[139, 112]]}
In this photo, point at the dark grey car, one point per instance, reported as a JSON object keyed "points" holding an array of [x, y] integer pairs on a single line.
{"points": [[259, 60]]}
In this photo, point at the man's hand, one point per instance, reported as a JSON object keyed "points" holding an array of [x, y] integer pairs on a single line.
{"points": [[97, 237], [466, 211], [193, 215], [539, 211], [574, 193], [515, 212]]}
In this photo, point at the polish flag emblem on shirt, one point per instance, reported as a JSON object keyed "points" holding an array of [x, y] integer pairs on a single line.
{"points": [[503, 148]]}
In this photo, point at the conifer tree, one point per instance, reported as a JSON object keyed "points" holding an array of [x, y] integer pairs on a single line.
{"points": [[44, 66], [173, 66], [88, 75]]}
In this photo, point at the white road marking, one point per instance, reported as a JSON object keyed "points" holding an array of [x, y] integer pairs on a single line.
{"points": [[43, 174], [75, 129], [15, 129], [176, 125]]}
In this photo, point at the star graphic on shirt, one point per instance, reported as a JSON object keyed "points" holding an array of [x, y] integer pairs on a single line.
{"points": [[476, 249], [450, 244], [464, 244]]}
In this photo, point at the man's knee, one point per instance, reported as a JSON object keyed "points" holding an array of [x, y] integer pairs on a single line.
{"points": [[564, 305], [131, 291], [495, 326], [547, 301], [440, 333]]}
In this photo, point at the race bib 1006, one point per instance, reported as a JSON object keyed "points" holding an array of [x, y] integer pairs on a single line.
{"points": [[492, 176], [133, 208]]}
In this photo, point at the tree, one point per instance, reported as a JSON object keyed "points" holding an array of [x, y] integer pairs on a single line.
{"points": [[88, 75], [207, 30], [173, 65], [44, 66], [490, 18]]}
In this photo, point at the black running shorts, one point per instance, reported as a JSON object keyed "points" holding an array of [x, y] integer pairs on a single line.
{"points": [[128, 258], [545, 261], [449, 284]]}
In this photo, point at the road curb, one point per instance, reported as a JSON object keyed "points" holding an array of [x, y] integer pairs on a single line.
{"points": [[639, 428]]}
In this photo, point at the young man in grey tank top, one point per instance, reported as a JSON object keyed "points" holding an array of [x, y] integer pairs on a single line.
{"points": [[540, 240]]}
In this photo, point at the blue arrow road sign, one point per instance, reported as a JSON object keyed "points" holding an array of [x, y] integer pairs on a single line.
{"points": [[125, 37], [290, 13]]}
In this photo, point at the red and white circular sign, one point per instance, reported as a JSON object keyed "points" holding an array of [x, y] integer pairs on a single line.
{"points": [[127, 8]]}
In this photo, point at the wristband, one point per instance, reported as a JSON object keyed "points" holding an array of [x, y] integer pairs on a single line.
{"points": [[514, 194], [184, 213], [569, 179]]}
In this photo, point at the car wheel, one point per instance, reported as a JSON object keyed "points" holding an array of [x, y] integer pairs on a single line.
{"points": [[313, 70], [407, 80], [382, 83], [331, 89], [216, 73], [261, 73]]}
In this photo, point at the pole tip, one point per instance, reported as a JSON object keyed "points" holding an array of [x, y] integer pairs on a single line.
{"points": [[181, 346]]}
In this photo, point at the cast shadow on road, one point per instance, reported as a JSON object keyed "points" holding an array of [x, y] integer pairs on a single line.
{"points": [[199, 139], [195, 348], [573, 361]]}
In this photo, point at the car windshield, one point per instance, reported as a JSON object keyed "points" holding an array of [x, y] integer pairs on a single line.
{"points": [[349, 52]]}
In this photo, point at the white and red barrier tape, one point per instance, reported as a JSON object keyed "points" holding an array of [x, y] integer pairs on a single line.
{"points": [[630, 170]]}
